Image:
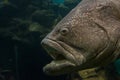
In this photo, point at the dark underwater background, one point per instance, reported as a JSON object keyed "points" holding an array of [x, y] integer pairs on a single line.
{"points": [[23, 24]]}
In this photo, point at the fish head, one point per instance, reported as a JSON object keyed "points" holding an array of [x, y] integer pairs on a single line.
{"points": [[73, 46], [75, 42]]}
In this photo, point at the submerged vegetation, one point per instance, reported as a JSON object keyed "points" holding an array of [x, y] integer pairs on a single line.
{"points": [[23, 23]]}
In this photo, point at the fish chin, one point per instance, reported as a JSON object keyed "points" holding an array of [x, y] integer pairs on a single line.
{"points": [[58, 67]]}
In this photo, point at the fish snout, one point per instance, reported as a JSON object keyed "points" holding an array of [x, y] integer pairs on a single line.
{"points": [[44, 42]]}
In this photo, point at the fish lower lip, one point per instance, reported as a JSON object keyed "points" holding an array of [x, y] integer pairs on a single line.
{"points": [[57, 67]]}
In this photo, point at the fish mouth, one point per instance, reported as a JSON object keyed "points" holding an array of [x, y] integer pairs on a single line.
{"points": [[63, 60]]}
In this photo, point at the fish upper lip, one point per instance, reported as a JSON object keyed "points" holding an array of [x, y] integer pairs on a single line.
{"points": [[59, 52]]}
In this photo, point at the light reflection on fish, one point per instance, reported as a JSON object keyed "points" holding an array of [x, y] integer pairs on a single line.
{"points": [[87, 37]]}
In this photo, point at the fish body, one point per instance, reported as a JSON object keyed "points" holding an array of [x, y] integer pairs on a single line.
{"points": [[87, 37]]}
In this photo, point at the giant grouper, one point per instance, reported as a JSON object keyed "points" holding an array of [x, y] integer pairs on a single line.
{"points": [[87, 37]]}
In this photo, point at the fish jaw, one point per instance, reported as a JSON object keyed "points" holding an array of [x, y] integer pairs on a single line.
{"points": [[63, 61], [58, 67]]}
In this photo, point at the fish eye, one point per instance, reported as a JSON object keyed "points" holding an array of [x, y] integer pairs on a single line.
{"points": [[64, 31]]}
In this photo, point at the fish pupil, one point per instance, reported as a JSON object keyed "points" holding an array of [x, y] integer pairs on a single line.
{"points": [[64, 31]]}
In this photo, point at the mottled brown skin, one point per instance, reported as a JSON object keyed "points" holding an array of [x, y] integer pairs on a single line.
{"points": [[87, 37]]}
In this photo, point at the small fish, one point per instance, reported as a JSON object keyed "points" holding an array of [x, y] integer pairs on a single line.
{"points": [[87, 37]]}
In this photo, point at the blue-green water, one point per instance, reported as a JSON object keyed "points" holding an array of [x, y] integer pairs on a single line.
{"points": [[58, 1], [117, 66]]}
